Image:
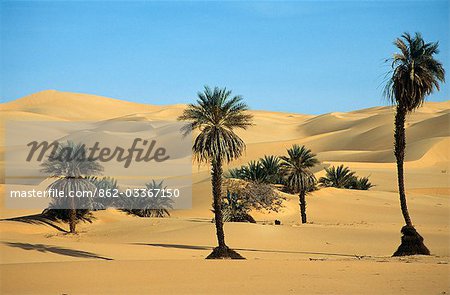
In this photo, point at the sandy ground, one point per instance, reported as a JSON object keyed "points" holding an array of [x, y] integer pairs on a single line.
{"points": [[344, 249]]}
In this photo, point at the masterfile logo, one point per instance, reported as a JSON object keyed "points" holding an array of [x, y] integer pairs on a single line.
{"points": [[114, 163]]}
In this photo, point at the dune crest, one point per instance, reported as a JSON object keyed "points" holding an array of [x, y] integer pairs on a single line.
{"points": [[361, 136]]}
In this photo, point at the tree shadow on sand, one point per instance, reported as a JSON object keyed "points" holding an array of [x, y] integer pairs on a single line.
{"points": [[55, 249], [36, 219], [175, 246], [193, 247]]}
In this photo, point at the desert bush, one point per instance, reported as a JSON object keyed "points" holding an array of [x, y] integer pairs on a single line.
{"points": [[235, 210], [241, 197]]}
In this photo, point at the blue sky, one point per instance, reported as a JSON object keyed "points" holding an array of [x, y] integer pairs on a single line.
{"points": [[299, 56]]}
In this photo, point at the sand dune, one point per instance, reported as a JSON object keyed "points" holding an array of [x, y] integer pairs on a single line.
{"points": [[344, 249]]}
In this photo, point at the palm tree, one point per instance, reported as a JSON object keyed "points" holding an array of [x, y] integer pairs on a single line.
{"points": [[343, 177], [296, 170], [361, 183], [340, 177], [271, 165], [105, 185], [152, 206], [415, 75], [254, 172], [263, 171], [72, 169], [216, 114], [237, 173]]}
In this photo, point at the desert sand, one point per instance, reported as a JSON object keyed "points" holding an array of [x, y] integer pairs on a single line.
{"points": [[344, 249]]}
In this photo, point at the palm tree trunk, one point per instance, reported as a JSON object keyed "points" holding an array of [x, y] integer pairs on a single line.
{"points": [[72, 220], [400, 144], [302, 198], [412, 241], [72, 216], [216, 181]]}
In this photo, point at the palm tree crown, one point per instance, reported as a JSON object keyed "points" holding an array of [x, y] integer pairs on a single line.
{"points": [[70, 161], [216, 114], [415, 72]]}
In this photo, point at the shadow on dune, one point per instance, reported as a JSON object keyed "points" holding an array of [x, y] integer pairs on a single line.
{"points": [[175, 246], [55, 249], [36, 219], [193, 247], [201, 220]]}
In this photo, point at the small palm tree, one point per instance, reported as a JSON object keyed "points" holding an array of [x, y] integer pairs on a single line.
{"points": [[415, 74], [266, 170], [106, 187], [72, 169], [296, 171], [152, 205], [361, 183], [340, 177], [343, 177], [254, 172], [216, 114], [237, 173], [271, 166]]}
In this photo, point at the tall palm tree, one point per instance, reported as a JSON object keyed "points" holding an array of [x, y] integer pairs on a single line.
{"points": [[296, 170], [217, 114], [415, 75], [72, 170]]}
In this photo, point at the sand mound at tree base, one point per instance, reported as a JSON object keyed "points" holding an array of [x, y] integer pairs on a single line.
{"points": [[224, 253], [412, 243]]}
